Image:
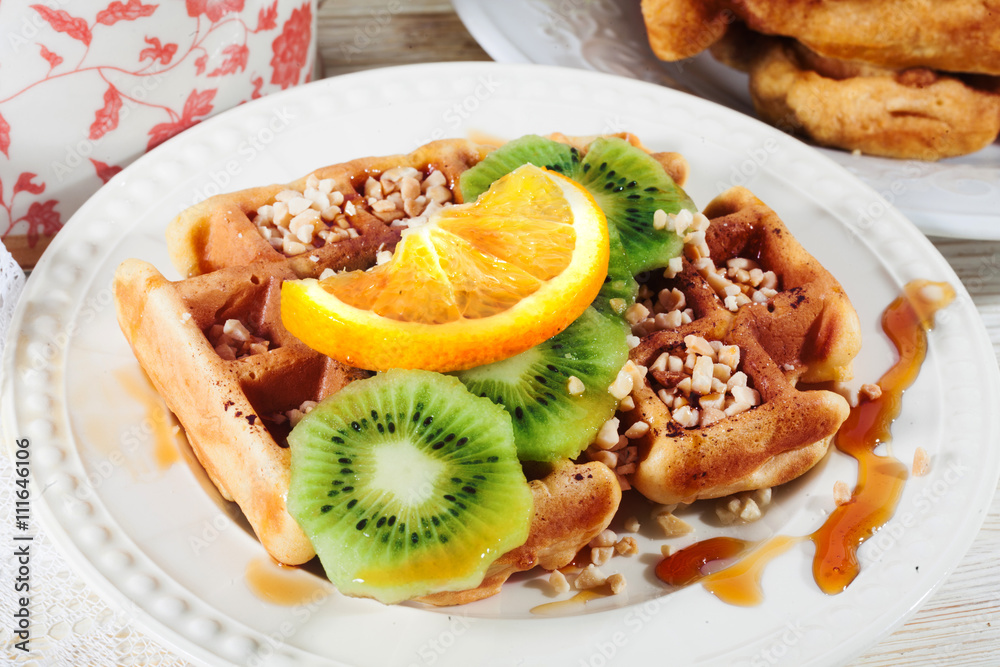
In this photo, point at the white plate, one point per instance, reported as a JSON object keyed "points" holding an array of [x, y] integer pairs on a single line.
{"points": [[163, 543], [958, 197]]}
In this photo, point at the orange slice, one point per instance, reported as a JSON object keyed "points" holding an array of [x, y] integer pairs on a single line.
{"points": [[474, 284]]}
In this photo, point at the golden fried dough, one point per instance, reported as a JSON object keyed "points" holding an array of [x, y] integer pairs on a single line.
{"points": [[911, 114], [905, 79], [950, 35]]}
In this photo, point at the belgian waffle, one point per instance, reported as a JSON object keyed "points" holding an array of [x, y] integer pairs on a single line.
{"points": [[221, 231], [215, 349], [726, 414]]}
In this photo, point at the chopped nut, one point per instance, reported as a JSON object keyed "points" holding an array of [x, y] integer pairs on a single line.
{"points": [[607, 437], [591, 577], [601, 555], [672, 526], [226, 352], [236, 330], [841, 493], [743, 507], [709, 416], [870, 391], [699, 345], [609, 459], [622, 386], [605, 538], [666, 550], [626, 546], [637, 430], [625, 468], [632, 524], [617, 583], [626, 404], [701, 375], [558, 582], [575, 386], [674, 266], [921, 462], [659, 219], [623, 482], [686, 416]]}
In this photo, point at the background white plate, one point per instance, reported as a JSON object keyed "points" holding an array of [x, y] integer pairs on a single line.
{"points": [[162, 543], [958, 197]]}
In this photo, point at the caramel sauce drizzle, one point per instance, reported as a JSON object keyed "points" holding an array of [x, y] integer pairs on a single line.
{"points": [[560, 607], [158, 418], [880, 477], [689, 565], [282, 584], [739, 584]]}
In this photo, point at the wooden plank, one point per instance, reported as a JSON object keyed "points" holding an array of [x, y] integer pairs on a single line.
{"points": [[353, 37]]}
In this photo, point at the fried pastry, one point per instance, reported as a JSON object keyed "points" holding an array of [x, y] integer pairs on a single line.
{"points": [[954, 35], [720, 409], [916, 113], [903, 80]]}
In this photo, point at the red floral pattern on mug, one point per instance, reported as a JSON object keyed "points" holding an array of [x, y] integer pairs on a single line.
{"points": [[81, 44], [213, 9], [291, 48]]}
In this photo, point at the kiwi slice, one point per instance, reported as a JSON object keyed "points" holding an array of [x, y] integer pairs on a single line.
{"points": [[532, 148], [630, 185], [627, 183], [619, 283], [534, 386], [407, 484]]}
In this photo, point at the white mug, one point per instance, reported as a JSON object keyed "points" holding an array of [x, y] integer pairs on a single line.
{"points": [[86, 87]]}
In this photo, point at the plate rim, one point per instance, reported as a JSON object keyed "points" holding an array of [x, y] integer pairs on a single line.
{"points": [[77, 221]]}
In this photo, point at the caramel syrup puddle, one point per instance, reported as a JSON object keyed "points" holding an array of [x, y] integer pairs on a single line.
{"points": [[158, 417], [880, 478], [578, 601], [281, 584]]}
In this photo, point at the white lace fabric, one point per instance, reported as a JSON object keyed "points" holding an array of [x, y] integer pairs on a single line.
{"points": [[11, 284]]}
